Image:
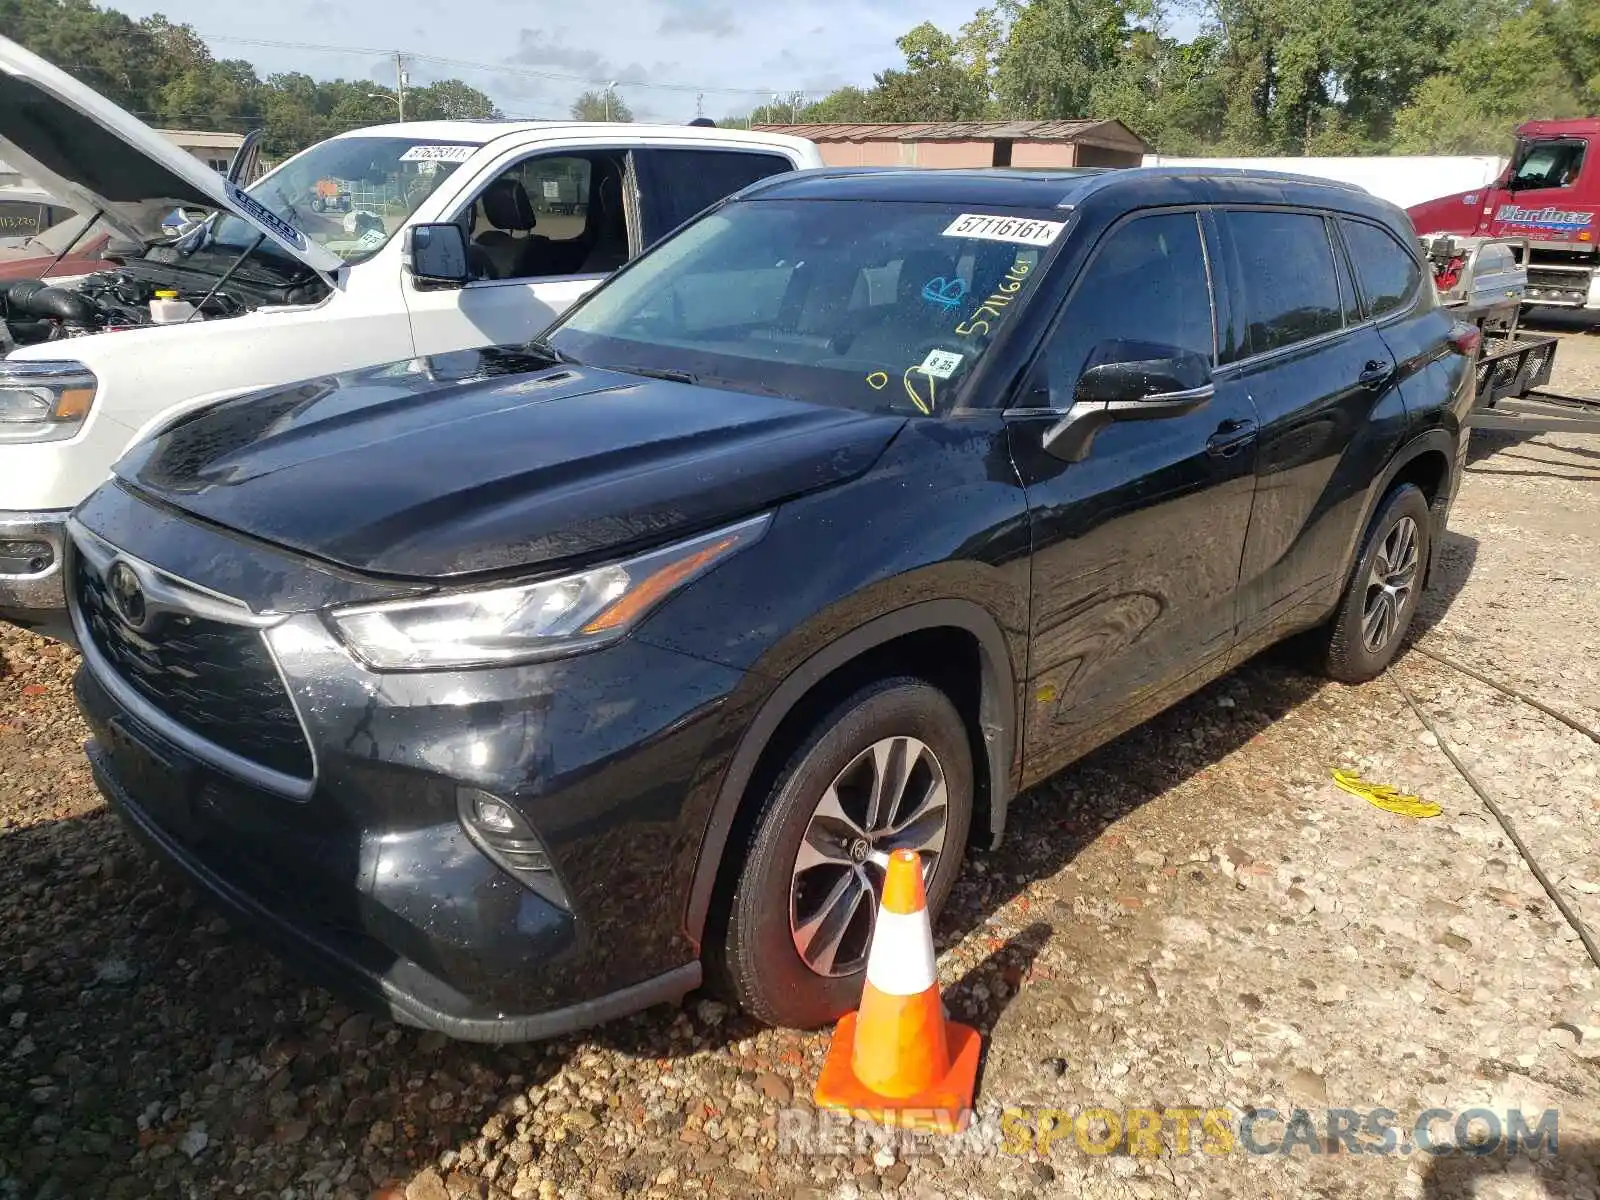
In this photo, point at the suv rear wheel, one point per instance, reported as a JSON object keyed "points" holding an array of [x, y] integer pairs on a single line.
{"points": [[1381, 598], [890, 768]]}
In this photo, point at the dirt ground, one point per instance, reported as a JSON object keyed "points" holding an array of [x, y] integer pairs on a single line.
{"points": [[1192, 918]]}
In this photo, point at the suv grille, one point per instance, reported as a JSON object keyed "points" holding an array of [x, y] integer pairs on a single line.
{"points": [[211, 677]]}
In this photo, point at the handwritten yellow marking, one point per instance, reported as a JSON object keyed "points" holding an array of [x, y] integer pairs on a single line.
{"points": [[878, 380], [1011, 284], [925, 405]]}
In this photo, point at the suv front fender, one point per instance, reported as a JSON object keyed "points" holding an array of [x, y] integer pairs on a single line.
{"points": [[997, 717]]}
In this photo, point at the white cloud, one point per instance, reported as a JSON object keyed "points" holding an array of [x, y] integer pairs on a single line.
{"points": [[761, 47]]}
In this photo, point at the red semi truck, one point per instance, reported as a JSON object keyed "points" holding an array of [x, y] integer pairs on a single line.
{"points": [[1549, 195]]}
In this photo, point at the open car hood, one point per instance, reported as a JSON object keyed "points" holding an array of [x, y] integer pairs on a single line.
{"points": [[90, 154]]}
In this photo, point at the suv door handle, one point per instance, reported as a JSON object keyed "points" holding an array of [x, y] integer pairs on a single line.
{"points": [[1230, 438], [1375, 374]]}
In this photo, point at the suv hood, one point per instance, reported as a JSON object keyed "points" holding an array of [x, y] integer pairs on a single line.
{"points": [[492, 460], [93, 156]]}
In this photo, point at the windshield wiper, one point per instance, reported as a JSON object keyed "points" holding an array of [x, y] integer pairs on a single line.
{"points": [[542, 346], [658, 373]]}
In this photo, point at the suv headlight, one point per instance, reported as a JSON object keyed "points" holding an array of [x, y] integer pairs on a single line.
{"points": [[548, 619], [43, 401]]}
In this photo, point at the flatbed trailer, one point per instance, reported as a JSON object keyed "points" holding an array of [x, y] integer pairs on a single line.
{"points": [[1484, 282]]}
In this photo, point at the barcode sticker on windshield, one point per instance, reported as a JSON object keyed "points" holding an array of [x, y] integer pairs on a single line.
{"points": [[1024, 231], [438, 154]]}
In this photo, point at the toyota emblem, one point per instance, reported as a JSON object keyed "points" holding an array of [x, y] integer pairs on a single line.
{"points": [[127, 594]]}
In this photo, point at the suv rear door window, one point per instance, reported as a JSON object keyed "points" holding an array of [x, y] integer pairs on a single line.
{"points": [[676, 184], [1286, 264], [1146, 284], [1389, 276]]}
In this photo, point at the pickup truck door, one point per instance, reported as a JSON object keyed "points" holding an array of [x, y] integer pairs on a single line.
{"points": [[545, 231], [555, 224]]}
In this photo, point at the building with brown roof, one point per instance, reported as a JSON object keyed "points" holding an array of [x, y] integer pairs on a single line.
{"points": [[1086, 143]]}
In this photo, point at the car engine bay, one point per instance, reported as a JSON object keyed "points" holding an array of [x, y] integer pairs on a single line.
{"points": [[133, 295]]}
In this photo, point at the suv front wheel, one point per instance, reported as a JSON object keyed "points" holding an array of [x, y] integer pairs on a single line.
{"points": [[1382, 596], [890, 768]]}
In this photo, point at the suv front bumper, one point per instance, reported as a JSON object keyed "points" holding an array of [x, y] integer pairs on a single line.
{"points": [[368, 861], [31, 591]]}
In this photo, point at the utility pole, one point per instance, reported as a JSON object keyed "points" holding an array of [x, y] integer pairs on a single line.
{"points": [[400, 82]]}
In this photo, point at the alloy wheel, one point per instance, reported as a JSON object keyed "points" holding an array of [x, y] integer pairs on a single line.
{"points": [[891, 796], [1390, 585]]}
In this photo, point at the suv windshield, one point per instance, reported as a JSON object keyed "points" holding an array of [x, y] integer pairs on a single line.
{"points": [[873, 305], [348, 194]]}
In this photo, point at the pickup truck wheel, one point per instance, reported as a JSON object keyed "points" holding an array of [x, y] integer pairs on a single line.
{"points": [[889, 768], [1381, 597]]}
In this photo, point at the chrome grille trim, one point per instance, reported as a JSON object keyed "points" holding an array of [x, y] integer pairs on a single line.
{"points": [[179, 595]]}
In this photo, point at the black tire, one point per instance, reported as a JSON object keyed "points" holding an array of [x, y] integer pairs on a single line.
{"points": [[1349, 658], [756, 962]]}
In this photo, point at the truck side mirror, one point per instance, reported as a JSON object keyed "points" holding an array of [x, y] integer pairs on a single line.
{"points": [[439, 254]]}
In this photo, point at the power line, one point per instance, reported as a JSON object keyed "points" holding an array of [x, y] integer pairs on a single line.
{"points": [[502, 68]]}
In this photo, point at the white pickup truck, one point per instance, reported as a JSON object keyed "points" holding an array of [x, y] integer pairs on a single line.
{"points": [[381, 244]]}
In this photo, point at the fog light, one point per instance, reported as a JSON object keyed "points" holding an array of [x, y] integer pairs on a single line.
{"points": [[491, 814], [500, 832], [25, 558]]}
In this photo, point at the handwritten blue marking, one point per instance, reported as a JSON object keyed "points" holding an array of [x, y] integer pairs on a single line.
{"points": [[947, 293]]}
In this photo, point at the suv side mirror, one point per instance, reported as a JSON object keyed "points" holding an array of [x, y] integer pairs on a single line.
{"points": [[1130, 382], [1147, 381], [439, 254]]}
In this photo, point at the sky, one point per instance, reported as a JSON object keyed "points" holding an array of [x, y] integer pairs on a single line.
{"points": [[737, 53]]}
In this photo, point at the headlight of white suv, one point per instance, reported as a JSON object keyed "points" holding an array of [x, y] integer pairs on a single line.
{"points": [[43, 401], [548, 619]]}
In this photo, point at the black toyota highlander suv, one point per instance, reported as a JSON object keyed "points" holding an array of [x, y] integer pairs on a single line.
{"points": [[520, 688]]}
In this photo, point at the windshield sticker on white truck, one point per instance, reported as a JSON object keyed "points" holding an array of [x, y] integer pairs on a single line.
{"points": [[438, 153], [1024, 231]]}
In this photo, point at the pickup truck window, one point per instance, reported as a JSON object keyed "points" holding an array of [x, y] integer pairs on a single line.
{"points": [[551, 215], [349, 194], [676, 184]]}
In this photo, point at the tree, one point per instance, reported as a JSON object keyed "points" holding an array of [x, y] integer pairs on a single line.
{"points": [[1495, 79], [601, 106], [941, 81], [1055, 52], [847, 105], [164, 73], [449, 100]]}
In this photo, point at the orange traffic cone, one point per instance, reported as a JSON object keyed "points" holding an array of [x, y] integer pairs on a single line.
{"points": [[896, 1059]]}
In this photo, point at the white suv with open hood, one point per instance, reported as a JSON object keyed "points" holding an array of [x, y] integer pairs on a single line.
{"points": [[382, 244]]}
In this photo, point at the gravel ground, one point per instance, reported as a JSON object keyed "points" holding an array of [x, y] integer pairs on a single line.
{"points": [[1192, 917]]}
